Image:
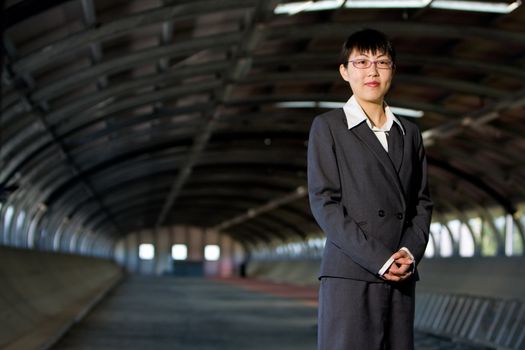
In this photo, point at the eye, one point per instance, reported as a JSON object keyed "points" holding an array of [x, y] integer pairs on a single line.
{"points": [[384, 63], [361, 62]]}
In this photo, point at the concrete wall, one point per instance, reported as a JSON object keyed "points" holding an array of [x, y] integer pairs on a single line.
{"points": [[42, 294], [495, 277], [300, 272]]}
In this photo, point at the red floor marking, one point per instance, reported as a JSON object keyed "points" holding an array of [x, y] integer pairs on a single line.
{"points": [[306, 294]]}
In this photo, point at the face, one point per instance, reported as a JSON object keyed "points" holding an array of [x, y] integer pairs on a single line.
{"points": [[368, 84]]}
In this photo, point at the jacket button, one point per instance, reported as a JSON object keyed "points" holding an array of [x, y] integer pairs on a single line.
{"points": [[399, 216], [381, 213]]}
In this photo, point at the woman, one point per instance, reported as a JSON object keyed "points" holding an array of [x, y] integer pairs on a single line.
{"points": [[367, 183]]}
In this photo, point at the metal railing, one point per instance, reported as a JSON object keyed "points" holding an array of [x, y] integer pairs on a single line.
{"points": [[489, 322]]}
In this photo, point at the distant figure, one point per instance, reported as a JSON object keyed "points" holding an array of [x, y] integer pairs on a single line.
{"points": [[367, 183], [242, 269], [243, 273]]}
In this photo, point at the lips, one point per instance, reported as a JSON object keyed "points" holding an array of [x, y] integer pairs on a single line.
{"points": [[372, 84]]}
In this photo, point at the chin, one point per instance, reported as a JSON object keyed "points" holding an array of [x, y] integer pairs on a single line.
{"points": [[372, 98]]}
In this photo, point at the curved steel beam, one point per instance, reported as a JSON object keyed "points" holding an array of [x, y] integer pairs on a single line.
{"points": [[479, 117], [300, 192], [477, 182], [69, 45], [406, 28]]}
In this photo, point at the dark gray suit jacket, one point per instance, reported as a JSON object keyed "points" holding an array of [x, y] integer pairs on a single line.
{"points": [[367, 204]]}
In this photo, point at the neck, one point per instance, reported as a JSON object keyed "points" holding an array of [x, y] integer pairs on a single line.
{"points": [[374, 111]]}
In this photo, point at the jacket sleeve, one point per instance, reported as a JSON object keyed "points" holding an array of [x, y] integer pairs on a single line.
{"points": [[415, 237], [325, 194]]}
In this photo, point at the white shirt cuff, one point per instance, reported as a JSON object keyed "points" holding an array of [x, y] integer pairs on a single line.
{"points": [[411, 257], [409, 253], [385, 267]]}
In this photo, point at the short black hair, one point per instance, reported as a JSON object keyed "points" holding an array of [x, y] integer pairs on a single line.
{"points": [[367, 40]]}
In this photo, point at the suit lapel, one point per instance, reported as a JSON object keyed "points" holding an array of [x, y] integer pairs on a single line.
{"points": [[363, 132], [395, 146]]}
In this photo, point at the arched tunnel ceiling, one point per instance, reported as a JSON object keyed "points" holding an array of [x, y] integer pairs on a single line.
{"points": [[124, 115]]}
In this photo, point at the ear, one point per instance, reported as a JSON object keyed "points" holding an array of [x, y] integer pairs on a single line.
{"points": [[344, 72]]}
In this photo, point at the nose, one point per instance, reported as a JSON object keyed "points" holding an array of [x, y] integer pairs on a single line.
{"points": [[373, 69]]}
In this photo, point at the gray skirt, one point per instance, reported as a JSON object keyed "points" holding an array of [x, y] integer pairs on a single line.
{"points": [[365, 316]]}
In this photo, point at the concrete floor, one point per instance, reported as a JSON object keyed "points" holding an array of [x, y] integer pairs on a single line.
{"points": [[197, 314]]}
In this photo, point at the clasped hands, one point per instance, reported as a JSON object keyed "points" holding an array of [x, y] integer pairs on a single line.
{"points": [[401, 268]]}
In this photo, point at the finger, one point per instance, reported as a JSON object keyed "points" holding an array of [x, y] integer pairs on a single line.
{"points": [[393, 269], [397, 255], [405, 276], [398, 270], [404, 261], [391, 277], [403, 254]]}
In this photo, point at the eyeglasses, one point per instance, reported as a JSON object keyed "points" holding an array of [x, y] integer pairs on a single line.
{"points": [[363, 63]]}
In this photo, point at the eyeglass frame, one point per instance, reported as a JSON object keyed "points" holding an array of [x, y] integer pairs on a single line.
{"points": [[372, 62]]}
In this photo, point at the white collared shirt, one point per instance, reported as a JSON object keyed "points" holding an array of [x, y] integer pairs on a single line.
{"points": [[355, 116]]}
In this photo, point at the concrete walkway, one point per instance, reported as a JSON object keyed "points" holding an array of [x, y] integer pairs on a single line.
{"points": [[197, 314], [174, 313]]}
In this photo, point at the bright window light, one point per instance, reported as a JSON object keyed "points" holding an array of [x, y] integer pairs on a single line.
{"points": [[20, 220], [146, 251], [386, 3], [296, 104], [309, 104], [476, 6], [466, 242], [293, 8], [8, 216], [330, 105], [324, 5], [430, 250], [179, 252], [465, 5], [212, 252], [413, 113]]}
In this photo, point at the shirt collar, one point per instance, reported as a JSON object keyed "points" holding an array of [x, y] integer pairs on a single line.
{"points": [[355, 116]]}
